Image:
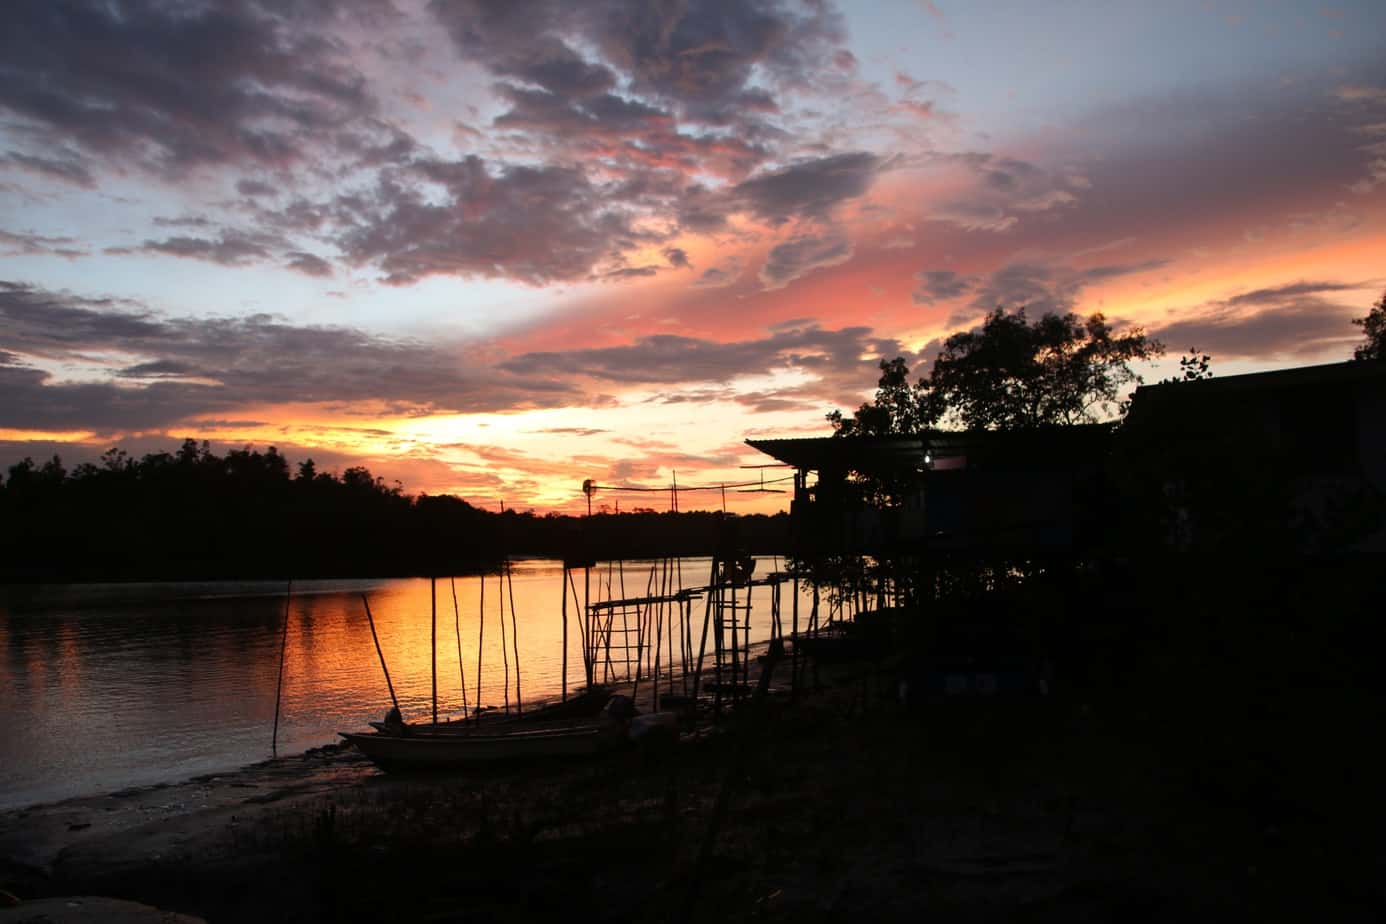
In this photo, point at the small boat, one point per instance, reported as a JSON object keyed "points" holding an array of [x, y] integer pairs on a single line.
{"points": [[581, 705], [544, 733], [465, 746]]}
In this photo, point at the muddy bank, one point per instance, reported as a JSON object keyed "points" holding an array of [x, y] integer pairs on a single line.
{"points": [[841, 804]]}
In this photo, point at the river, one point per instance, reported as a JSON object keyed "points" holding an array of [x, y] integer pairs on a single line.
{"points": [[107, 686]]}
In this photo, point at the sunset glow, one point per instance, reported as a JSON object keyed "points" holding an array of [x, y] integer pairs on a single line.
{"points": [[494, 249]]}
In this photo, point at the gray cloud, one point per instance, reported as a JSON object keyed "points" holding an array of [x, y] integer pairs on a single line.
{"points": [[69, 168], [14, 244], [808, 189], [722, 275], [170, 86], [1295, 319], [1278, 295], [834, 357], [201, 366], [1043, 288], [935, 285], [802, 255], [532, 224], [1003, 187], [231, 248], [700, 55], [308, 264], [255, 188]]}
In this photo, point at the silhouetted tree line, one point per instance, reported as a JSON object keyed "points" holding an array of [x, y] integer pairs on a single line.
{"points": [[195, 514]]}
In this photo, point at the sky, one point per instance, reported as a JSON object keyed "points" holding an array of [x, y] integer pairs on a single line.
{"points": [[497, 248]]}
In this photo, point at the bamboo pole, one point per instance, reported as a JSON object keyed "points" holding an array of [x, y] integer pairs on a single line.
{"points": [[433, 641], [457, 626], [480, 638], [707, 612], [586, 669], [279, 687], [514, 634], [587, 596], [794, 639], [563, 592], [505, 655], [375, 638]]}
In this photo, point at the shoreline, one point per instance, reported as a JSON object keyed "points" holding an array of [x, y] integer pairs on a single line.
{"points": [[842, 803]]}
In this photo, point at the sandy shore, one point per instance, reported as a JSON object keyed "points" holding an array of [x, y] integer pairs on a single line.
{"points": [[151, 823]]}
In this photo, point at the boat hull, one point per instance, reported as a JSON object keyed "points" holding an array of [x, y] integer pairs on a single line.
{"points": [[443, 751]]}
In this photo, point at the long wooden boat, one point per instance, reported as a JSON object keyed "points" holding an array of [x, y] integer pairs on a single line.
{"points": [[483, 744], [584, 704]]}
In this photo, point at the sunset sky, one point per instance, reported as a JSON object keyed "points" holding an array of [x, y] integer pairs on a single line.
{"points": [[493, 249]]}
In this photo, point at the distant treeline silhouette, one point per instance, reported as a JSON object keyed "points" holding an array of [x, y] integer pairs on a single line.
{"points": [[194, 514]]}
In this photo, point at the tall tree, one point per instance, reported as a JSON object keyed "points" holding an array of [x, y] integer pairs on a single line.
{"points": [[1374, 327], [898, 407], [1009, 374]]}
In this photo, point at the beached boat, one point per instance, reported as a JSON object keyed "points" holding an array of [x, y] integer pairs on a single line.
{"points": [[588, 723], [583, 704], [479, 744]]}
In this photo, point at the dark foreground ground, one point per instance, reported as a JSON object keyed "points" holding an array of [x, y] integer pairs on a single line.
{"points": [[1261, 805], [1211, 753]]}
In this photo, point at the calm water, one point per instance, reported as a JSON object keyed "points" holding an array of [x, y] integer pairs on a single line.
{"points": [[108, 686]]}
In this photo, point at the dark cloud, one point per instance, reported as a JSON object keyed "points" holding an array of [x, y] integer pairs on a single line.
{"points": [[255, 188], [936, 285], [701, 56], [184, 221], [70, 168], [724, 274], [1295, 320], [808, 189], [1276, 295], [628, 272], [229, 249], [202, 366], [1042, 288], [802, 255], [532, 224], [23, 245], [785, 399], [171, 86], [677, 257], [308, 264], [159, 368], [563, 119], [1003, 187], [833, 357]]}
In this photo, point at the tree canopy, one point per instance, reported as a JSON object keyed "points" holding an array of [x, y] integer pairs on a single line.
{"points": [[194, 514], [1374, 327], [1008, 374]]}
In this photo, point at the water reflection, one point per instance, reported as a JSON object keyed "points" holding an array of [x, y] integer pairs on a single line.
{"points": [[107, 686]]}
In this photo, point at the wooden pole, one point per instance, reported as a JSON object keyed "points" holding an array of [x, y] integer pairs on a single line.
{"points": [[375, 638], [586, 670], [279, 687], [480, 637], [563, 590], [514, 635], [702, 644], [505, 655], [457, 627], [433, 641], [587, 599], [794, 639]]}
